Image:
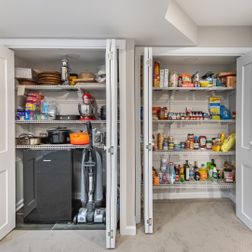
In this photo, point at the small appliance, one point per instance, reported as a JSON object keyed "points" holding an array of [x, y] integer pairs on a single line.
{"points": [[88, 107]]}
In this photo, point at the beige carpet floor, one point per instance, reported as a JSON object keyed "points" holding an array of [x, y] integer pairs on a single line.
{"points": [[184, 225]]}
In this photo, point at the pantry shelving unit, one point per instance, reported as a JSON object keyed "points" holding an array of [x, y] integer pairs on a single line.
{"points": [[176, 99]]}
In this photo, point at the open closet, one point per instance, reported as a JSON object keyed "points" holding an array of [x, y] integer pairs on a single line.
{"points": [[67, 135], [192, 119]]}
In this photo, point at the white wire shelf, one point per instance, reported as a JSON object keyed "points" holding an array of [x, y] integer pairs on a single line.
{"points": [[216, 184], [193, 89], [194, 121], [77, 87], [59, 122], [52, 147], [195, 152]]}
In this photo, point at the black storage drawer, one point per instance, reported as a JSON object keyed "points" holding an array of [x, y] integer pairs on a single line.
{"points": [[47, 186]]}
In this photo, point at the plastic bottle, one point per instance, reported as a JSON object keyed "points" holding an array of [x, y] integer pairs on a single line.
{"points": [[196, 171], [172, 174], [210, 169], [191, 172], [215, 170], [203, 172]]}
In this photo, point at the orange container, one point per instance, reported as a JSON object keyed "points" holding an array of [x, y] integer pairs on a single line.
{"points": [[79, 138]]}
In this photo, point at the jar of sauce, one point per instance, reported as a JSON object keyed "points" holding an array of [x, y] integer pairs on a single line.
{"points": [[202, 142]]}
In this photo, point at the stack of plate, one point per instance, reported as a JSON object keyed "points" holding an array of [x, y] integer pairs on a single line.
{"points": [[49, 78]]}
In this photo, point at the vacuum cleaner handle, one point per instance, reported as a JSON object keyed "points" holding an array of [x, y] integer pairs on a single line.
{"points": [[89, 130]]}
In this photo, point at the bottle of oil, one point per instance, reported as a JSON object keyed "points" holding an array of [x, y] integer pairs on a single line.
{"points": [[181, 173], [187, 171]]}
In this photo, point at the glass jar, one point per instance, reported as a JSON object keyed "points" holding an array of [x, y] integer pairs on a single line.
{"points": [[209, 144]]}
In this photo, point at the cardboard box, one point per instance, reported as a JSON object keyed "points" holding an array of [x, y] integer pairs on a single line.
{"points": [[166, 77], [22, 73], [161, 78]]}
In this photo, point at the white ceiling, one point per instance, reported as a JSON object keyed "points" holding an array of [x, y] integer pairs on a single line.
{"points": [[218, 12], [141, 20]]}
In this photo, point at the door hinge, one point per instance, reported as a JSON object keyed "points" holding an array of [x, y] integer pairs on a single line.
{"points": [[149, 146], [149, 62], [110, 55], [111, 234], [149, 221], [111, 150]]}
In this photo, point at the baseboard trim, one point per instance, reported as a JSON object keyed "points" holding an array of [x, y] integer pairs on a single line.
{"points": [[19, 204], [129, 230]]}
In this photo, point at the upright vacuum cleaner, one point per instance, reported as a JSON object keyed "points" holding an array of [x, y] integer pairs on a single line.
{"points": [[91, 186]]}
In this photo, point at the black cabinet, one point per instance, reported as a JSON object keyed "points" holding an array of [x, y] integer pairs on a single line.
{"points": [[47, 186]]}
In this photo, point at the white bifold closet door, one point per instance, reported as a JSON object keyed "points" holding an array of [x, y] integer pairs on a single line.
{"points": [[244, 140], [111, 142], [7, 143], [148, 187]]}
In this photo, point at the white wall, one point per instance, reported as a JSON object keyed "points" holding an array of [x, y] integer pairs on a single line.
{"points": [[127, 143], [224, 36]]}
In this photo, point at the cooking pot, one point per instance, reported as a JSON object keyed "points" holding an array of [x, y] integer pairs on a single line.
{"points": [[43, 138], [28, 139], [79, 138], [58, 135]]}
